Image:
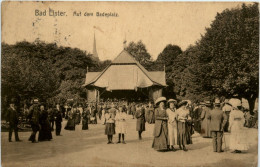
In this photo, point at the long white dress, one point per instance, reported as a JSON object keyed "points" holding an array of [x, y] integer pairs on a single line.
{"points": [[121, 122], [172, 127], [238, 135]]}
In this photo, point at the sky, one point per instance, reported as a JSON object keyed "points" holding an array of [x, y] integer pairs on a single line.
{"points": [[157, 24]]}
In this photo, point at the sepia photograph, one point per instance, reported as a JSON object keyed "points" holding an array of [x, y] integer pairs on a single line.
{"points": [[129, 84]]}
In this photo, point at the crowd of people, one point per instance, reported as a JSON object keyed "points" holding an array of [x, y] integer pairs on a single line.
{"points": [[174, 123]]}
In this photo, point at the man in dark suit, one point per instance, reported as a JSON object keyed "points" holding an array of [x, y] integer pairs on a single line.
{"points": [[217, 123], [12, 118], [58, 120], [34, 116]]}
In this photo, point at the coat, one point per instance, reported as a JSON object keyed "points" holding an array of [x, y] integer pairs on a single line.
{"points": [[140, 116], [218, 120], [12, 116], [205, 122], [58, 116], [34, 114], [160, 117]]}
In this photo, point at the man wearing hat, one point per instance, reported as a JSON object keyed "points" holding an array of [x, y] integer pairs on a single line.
{"points": [[34, 115], [196, 117], [12, 118], [218, 120], [205, 131]]}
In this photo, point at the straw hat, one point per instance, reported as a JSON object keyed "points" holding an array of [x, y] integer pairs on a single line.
{"points": [[235, 102], [184, 102], [172, 101], [160, 99], [217, 102]]}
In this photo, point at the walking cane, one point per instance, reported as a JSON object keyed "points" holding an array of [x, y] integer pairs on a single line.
{"points": [[224, 140]]}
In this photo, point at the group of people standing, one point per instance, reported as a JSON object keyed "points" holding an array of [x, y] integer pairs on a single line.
{"points": [[39, 118], [87, 113], [172, 125]]}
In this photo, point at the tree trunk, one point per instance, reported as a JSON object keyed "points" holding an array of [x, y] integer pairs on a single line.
{"points": [[251, 102]]}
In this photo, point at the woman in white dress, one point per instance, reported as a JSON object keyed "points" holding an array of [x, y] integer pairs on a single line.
{"points": [[172, 124], [121, 124], [238, 136]]}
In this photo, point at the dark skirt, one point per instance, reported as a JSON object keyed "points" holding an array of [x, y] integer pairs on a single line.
{"points": [[110, 129], [140, 124], [70, 124], [184, 133], [77, 120], [45, 131], [160, 142], [84, 124]]}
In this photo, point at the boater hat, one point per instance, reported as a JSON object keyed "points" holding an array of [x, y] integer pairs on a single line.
{"points": [[160, 99], [184, 102], [208, 103], [235, 102], [172, 101], [217, 102]]}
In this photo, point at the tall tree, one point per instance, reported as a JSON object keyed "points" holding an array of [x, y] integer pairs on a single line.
{"points": [[139, 51], [167, 59], [44, 70], [230, 53]]}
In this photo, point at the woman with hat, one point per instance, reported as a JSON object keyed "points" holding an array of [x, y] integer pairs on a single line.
{"points": [[205, 122], [150, 109], [45, 130], [182, 115], [160, 141], [71, 119], [172, 124], [238, 136], [140, 122], [85, 117]]}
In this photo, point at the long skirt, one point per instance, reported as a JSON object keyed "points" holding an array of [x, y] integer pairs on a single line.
{"points": [[45, 132], [160, 143], [238, 137], [172, 133], [140, 124], [110, 129], [184, 133], [84, 124], [77, 120], [205, 131], [70, 124]]}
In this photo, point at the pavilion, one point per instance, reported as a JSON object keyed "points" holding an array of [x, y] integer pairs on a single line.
{"points": [[125, 78]]}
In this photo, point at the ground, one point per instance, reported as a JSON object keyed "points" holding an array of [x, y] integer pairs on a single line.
{"points": [[89, 148]]}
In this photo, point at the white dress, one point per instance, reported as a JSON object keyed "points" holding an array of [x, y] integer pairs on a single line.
{"points": [[121, 122], [172, 127], [238, 135]]}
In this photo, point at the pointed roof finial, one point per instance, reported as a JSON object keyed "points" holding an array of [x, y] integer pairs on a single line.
{"points": [[125, 42]]}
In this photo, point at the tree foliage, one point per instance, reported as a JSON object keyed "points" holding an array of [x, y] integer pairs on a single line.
{"points": [[225, 61], [44, 70], [139, 51]]}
